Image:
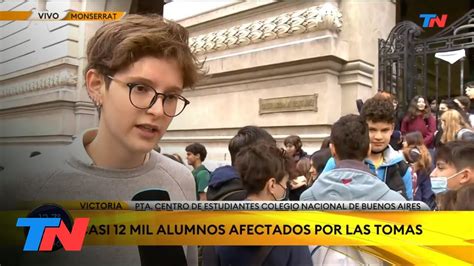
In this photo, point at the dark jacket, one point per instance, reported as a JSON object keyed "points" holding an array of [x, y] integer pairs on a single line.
{"points": [[396, 140], [295, 194], [253, 255], [423, 190], [399, 115], [300, 155], [225, 184], [437, 138], [426, 126]]}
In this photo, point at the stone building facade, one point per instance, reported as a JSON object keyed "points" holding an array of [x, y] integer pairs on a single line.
{"points": [[291, 67]]}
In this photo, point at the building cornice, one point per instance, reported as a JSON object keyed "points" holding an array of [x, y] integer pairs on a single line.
{"points": [[53, 79], [322, 17]]}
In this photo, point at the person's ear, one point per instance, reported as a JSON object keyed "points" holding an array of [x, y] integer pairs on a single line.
{"points": [[333, 150], [95, 86], [271, 184], [467, 176]]}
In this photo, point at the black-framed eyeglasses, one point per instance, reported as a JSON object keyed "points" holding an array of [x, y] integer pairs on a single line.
{"points": [[144, 97]]}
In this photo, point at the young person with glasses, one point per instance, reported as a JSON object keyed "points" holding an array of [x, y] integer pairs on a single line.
{"points": [[137, 70]]}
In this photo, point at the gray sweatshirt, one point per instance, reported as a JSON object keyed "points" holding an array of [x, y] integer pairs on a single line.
{"points": [[350, 180], [69, 174]]}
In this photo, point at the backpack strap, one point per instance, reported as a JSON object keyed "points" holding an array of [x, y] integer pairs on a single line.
{"points": [[402, 168], [314, 250], [394, 177], [230, 193], [461, 132]]}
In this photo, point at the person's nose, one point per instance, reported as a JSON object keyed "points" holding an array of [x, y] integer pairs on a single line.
{"points": [[378, 135], [434, 173], [157, 108]]}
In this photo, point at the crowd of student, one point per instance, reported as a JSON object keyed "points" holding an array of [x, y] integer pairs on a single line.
{"points": [[136, 70], [356, 162], [405, 168]]}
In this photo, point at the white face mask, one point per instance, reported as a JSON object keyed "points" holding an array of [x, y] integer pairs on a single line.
{"points": [[439, 184]]}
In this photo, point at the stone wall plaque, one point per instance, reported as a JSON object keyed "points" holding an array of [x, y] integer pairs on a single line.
{"points": [[289, 104]]}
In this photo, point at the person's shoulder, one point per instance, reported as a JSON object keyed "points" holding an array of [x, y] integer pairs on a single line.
{"points": [[333, 175], [392, 157], [300, 251], [465, 134], [25, 175], [296, 255], [393, 196], [41, 164], [337, 175], [307, 195], [330, 164], [168, 168], [471, 119], [204, 172], [292, 249], [324, 180]]}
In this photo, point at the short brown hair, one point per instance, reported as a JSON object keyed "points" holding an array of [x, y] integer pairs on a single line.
{"points": [[465, 101], [302, 168], [350, 137], [457, 200], [384, 95], [378, 109], [246, 136], [118, 44], [197, 148], [295, 141], [415, 140], [459, 153], [260, 162]]}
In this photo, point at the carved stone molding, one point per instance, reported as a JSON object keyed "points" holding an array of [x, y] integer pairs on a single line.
{"points": [[85, 108], [226, 139], [53, 107], [62, 78], [323, 17]]}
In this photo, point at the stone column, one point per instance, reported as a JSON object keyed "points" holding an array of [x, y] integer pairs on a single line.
{"points": [[355, 80]]}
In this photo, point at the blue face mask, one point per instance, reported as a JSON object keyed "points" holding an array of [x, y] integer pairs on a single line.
{"points": [[440, 184]]}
